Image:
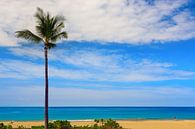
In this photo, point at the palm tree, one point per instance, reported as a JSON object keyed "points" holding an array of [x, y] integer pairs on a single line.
{"points": [[49, 29]]}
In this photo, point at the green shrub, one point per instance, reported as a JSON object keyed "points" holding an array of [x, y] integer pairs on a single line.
{"points": [[101, 124], [2, 126], [95, 126], [106, 124], [60, 125], [83, 127], [37, 127], [111, 124], [51, 125]]}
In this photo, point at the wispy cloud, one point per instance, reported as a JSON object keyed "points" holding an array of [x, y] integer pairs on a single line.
{"points": [[129, 21], [28, 70], [140, 96], [93, 65]]}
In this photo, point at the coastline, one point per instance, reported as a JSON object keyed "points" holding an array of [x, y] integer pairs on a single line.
{"points": [[128, 124], [91, 120]]}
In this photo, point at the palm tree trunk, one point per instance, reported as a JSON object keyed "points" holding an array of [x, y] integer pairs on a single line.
{"points": [[46, 87]]}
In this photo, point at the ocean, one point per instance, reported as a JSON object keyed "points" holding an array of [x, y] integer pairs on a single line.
{"points": [[90, 113]]}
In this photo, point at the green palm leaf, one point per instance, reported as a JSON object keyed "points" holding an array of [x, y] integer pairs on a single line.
{"points": [[49, 29], [28, 35], [59, 36]]}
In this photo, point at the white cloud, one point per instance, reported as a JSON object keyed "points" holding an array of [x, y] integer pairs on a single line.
{"points": [[94, 65], [130, 21], [6, 39], [140, 96], [25, 70]]}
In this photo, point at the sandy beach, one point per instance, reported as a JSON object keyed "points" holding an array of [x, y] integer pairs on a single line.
{"points": [[128, 124]]}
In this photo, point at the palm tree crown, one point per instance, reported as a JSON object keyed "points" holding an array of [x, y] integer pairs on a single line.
{"points": [[48, 29]]}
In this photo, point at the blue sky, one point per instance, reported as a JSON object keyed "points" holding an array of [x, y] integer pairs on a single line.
{"points": [[135, 54]]}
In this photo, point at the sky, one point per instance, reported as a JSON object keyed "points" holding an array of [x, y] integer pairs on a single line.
{"points": [[119, 53]]}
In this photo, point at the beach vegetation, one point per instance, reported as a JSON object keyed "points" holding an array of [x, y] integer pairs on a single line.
{"points": [[102, 124], [22, 127], [37, 127], [2, 126], [99, 124], [60, 125]]}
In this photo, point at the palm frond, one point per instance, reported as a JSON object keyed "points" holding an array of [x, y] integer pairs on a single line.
{"points": [[40, 30], [51, 45], [58, 28], [28, 35], [48, 29], [40, 16], [54, 25], [61, 35], [41, 22]]}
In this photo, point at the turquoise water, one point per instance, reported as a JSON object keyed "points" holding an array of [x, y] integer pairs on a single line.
{"points": [[88, 113]]}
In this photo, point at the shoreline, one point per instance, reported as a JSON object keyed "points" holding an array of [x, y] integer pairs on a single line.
{"points": [[89, 120]]}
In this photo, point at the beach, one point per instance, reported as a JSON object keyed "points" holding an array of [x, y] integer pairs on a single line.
{"points": [[128, 124]]}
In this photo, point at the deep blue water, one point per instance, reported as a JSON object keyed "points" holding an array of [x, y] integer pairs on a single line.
{"points": [[85, 113]]}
